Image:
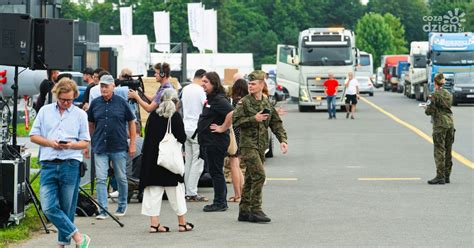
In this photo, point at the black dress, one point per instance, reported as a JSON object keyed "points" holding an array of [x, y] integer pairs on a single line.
{"points": [[152, 174]]}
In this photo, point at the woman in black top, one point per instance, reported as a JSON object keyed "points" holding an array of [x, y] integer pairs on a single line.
{"points": [[156, 179], [213, 137], [239, 90]]}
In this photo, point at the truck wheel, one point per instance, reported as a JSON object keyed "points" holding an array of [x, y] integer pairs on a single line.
{"points": [[343, 108], [370, 94], [455, 103], [417, 92], [425, 92]]}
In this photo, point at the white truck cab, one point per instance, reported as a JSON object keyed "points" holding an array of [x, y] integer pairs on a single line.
{"points": [[302, 70]]}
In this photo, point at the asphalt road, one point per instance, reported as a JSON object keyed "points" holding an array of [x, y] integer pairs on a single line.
{"points": [[344, 183]]}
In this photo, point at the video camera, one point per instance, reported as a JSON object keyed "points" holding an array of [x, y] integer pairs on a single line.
{"points": [[131, 83]]}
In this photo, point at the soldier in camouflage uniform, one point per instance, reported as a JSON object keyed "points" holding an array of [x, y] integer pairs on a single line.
{"points": [[249, 116], [439, 108]]}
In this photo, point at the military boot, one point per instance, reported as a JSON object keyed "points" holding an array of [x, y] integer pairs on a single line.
{"points": [[436, 180], [243, 216], [259, 217]]}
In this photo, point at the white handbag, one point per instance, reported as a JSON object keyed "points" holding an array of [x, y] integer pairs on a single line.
{"points": [[170, 155]]}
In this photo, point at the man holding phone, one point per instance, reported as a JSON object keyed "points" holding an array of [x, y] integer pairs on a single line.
{"points": [[61, 130], [254, 114]]}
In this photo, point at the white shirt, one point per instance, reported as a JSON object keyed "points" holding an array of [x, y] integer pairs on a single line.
{"points": [[351, 87], [193, 98]]}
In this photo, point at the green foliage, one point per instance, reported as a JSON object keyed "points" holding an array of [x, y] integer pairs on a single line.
{"points": [[470, 18], [374, 36], [448, 9], [410, 12], [398, 32]]}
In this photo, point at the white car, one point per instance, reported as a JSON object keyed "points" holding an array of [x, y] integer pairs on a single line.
{"points": [[365, 85]]}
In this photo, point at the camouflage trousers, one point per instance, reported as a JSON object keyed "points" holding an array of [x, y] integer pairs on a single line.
{"points": [[254, 179], [443, 139]]}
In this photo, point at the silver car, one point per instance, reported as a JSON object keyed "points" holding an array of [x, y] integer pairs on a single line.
{"points": [[365, 85]]}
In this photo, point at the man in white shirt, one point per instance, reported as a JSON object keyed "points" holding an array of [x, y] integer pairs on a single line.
{"points": [[352, 94], [193, 98]]}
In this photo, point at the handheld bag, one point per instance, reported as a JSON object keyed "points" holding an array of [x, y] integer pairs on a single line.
{"points": [[232, 149], [170, 155]]}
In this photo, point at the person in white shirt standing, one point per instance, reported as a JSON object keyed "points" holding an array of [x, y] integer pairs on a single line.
{"points": [[193, 98], [352, 94]]}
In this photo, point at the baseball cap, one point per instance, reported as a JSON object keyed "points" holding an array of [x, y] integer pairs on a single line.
{"points": [[88, 71], [256, 75], [107, 79]]}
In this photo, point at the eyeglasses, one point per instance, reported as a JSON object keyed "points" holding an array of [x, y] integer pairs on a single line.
{"points": [[62, 100]]}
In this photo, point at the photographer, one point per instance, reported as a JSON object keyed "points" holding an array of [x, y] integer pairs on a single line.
{"points": [[162, 75]]}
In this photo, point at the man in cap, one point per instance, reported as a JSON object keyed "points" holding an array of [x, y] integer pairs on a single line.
{"points": [[88, 78], [254, 114], [108, 117]]}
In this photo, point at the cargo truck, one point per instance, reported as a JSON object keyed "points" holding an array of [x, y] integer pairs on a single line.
{"points": [[416, 75]]}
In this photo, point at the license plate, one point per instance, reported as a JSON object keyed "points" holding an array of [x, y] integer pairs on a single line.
{"points": [[470, 96], [318, 98]]}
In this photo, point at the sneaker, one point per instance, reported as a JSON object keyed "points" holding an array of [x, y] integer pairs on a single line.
{"points": [[347, 115], [114, 194], [214, 208], [330, 117], [120, 212], [86, 240], [101, 216], [196, 198], [334, 117], [352, 117]]}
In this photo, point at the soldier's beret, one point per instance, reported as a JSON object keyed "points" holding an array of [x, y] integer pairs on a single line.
{"points": [[256, 75]]}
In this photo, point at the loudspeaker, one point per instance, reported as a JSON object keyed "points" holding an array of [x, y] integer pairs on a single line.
{"points": [[53, 46], [15, 39]]}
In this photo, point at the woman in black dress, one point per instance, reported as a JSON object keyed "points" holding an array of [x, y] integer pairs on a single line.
{"points": [[156, 179]]}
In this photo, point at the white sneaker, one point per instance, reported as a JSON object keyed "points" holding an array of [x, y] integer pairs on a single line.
{"points": [[114, 194], [102, 216]]}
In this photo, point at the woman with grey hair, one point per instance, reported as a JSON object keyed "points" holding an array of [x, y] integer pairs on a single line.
{"points": [[154, 179]]}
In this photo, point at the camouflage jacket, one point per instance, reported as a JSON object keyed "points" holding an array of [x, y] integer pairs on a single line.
{"points": [[439, 107], [254, 134]]}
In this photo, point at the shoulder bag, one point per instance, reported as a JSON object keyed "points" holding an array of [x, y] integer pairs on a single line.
{"points": [[232, 149], [170, 155]]}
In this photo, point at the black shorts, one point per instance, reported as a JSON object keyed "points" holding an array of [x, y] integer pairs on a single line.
{"points": [[351, 99]]}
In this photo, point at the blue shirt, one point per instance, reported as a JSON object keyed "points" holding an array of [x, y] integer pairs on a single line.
{"points": [[70, 126], [110, 119]]}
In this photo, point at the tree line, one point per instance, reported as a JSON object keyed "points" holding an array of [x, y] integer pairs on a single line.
{"points": [[257, 26]]}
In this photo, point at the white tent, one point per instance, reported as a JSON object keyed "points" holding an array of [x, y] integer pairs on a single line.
{"points": [[133, 51]]}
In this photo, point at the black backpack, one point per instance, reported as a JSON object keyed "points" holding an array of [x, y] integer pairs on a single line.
{"points": [[85, 207]]}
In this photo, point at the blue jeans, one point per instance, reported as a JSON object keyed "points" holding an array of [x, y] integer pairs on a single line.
{"points": [[331, 105], [59, 186], [119, 161]]}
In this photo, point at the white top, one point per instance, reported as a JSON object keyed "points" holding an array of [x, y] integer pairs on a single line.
{"points": [[193, 98], [271, 86], [351, 87]]}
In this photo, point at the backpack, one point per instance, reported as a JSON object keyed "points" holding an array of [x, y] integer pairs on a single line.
{"points": [[85, 207]]}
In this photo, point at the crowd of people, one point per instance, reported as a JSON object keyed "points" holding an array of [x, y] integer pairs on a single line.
{"points": [[200, 118]]}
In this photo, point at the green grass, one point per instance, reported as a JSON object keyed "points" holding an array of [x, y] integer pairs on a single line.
{"points": [[20, 129], [29, 224]]}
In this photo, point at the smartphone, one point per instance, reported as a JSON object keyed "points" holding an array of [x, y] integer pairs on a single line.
{"points": [[63, 142], [266, 111]]}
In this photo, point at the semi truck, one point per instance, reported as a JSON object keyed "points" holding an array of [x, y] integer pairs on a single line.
{"points": [[302, 70], [448, 53], [389, 68], [416, 75]]}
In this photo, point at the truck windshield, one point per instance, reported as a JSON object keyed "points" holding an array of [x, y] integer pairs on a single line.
{"points": [[419, 61], [326, 55], [453, 58], [464, 78], [364, 60]]}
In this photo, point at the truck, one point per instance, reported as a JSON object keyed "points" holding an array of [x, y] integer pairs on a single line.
{"points": [[402, 70], [302, 70], [448, 53], [416, 75], [389, 68]]}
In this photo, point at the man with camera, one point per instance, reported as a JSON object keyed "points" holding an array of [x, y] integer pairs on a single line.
{"points": [[62, 132]]}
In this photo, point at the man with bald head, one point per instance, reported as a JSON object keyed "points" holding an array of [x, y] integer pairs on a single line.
{"points": [[352, 95]]}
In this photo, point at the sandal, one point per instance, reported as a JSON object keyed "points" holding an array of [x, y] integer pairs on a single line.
{"points": [[157, 229], [234, 199], [185, 226]]}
